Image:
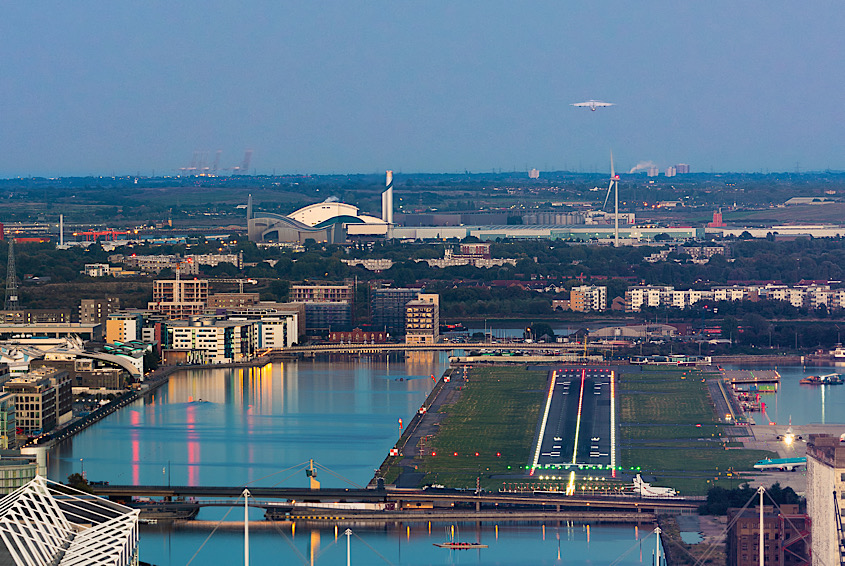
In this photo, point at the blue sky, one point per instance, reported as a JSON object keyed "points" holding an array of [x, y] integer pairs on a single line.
{"points": [[319, 87]]}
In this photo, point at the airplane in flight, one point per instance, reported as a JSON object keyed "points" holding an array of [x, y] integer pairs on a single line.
{"points": [[592, 104]]}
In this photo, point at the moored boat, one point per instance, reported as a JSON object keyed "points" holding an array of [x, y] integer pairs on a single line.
{"points": [[828, 379], [460, 545]]}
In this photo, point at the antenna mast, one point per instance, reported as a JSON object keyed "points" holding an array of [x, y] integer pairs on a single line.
{"points": [[11, 280]]}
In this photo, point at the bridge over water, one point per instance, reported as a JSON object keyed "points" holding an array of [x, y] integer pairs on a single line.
{"points": [[400, 499], [438, 347]]}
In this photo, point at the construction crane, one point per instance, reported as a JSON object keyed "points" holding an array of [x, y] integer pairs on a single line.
{"points": [[240, 282]]}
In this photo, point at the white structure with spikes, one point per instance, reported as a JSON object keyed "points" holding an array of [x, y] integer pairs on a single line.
{"points": [[46, 523]]}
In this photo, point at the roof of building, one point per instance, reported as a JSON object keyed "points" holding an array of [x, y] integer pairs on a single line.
{"points": [[45, 522]]}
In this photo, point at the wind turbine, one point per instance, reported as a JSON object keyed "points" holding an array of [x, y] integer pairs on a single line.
{"points": [[614, 180]]}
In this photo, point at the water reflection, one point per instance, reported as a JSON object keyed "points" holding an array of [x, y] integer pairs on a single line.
{"points": [[230, 427], [409, 544]]}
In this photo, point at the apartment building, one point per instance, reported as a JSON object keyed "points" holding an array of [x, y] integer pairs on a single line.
{"points": [[321, 293], [637, 298], [97, 311], [43, 399], [179, 298], [422, 319], [588, 298]]}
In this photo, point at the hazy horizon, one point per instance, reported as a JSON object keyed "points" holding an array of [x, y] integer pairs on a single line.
{"points": [[92, 89]]}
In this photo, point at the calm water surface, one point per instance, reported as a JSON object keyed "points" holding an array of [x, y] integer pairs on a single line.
{"points": [[806, 404], [232, 427]]}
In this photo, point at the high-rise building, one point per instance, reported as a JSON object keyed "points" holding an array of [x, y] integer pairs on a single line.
{"points": [[179, 298], [534, 174], [825, 488], [388, 308], [652, 171], [422, 319], [682, 168], [96, 311], [671, 171]]}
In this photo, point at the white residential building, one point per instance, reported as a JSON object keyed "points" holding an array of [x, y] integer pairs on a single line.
{"points": [[637, 298]]}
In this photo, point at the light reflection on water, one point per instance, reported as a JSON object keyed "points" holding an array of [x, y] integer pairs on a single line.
{"points": [[806, 404], [412, 544], [230, 427]]}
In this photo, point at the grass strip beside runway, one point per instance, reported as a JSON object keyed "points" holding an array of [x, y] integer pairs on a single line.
{"points": [[497, 413], [660, 408]]}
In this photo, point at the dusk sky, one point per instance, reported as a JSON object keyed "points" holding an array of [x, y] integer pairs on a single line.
{"points": [[319, 87]]}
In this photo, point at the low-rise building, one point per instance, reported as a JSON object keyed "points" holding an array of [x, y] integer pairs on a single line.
{"points": [[209, 341], [358, 336], [16, 470], [785, 536]]}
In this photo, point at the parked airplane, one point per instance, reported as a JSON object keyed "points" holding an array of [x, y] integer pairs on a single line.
{"points": [[782, 464], [592, 104], [644, 489]]}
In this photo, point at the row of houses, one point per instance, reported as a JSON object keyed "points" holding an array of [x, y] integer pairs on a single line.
{"points": [[809, 295]]}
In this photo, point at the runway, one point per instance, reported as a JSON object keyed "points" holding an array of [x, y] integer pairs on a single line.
{"points": [[578, 424]]}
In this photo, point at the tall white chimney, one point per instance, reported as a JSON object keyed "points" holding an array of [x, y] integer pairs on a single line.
{"points": [[61, 229], [387, 199]]}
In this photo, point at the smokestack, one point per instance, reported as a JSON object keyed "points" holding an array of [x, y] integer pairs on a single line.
{"points": [[249, 209], [61, 229], [387, 199]]}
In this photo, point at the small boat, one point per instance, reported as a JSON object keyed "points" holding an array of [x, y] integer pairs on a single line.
{"points": [[459, 545], [828, 379]]}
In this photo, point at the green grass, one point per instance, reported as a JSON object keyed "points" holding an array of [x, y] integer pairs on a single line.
{"points": [[659, 411], [497, 413]]}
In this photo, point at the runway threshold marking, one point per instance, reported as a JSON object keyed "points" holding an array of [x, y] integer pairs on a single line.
{"points": [[578, 420], [553, 381]]}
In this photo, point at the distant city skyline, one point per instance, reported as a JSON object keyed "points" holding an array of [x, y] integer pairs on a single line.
{"points": [[335, 87]]}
